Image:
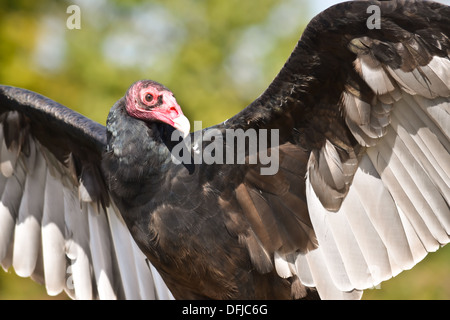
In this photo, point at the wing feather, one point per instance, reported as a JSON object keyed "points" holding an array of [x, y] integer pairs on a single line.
{"points": [[27, 234], [99, 243], [53, 239], [77, 233], [124, 252]]}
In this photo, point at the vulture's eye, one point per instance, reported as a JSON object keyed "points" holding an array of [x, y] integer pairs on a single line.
{"points": [[149, 97]]}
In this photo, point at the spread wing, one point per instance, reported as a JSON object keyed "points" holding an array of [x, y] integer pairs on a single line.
{"points": [[57, 222], [363, 118]]}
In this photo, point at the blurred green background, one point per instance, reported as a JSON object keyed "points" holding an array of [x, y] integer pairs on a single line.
{"points": [[216, 56]]}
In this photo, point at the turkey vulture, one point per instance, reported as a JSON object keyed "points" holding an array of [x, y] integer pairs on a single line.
{"points": [[357, 128]]}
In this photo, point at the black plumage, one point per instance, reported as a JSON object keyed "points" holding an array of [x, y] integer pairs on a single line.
{"points": [[358, 184]]}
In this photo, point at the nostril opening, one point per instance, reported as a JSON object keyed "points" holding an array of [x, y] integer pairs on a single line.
{"points": [[173, 110]]}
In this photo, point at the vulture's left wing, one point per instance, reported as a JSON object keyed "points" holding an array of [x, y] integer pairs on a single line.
{"points": [[57, 222], [363, 119]]}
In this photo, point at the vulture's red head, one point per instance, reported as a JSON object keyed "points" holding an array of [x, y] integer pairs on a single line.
{"points": [[148, 100]]}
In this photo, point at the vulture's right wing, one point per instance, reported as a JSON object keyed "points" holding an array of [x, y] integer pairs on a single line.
{"points": [[363, 115], [57, 222]]}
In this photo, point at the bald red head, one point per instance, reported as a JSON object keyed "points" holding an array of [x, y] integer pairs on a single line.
{"points": [[148, 100]]}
